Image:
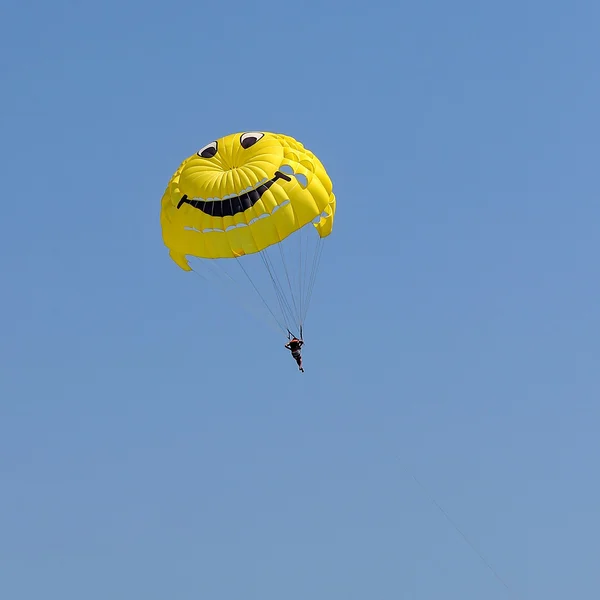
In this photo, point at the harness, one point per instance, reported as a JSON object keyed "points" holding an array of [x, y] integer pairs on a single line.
{"points": [[291, 336], [295, 352]]}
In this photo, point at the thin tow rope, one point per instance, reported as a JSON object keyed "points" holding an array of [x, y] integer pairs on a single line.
{"points": [[467, 540]]}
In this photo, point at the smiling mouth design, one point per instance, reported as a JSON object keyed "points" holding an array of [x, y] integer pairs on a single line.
{"points": [[236, 204]]}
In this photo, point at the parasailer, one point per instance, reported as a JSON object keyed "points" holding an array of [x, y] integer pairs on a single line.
{"points": [[248, 195], [294, 346]]}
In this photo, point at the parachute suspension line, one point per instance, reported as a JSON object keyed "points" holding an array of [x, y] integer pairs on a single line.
{"points": [[280, 298], [303, 275], [300, 298], [283, 303], [304, 270], [313, 275], [239, 262], [219, 273], [286, 314], [297, 317]]}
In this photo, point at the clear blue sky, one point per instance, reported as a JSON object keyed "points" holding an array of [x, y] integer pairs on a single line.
{"points": [[156, 443]]}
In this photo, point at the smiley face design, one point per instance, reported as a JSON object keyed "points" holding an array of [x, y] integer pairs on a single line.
{"points": [[243, 193]]}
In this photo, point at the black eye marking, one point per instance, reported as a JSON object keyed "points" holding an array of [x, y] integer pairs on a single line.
{"points": [[208, 151], [250, 138]]}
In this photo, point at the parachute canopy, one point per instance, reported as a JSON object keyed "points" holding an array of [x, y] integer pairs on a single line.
{"points": [[243, 194]]}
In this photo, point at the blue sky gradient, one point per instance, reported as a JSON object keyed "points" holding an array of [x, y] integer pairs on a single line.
{"points": [[156, 442]]}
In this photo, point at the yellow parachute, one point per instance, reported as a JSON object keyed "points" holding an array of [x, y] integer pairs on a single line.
{"points": [[249, 194]]}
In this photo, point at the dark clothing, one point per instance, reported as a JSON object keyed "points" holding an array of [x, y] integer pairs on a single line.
{"points": [[294, 346]]}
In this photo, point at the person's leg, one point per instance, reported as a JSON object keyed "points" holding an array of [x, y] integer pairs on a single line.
{"points": [[298, 358]]}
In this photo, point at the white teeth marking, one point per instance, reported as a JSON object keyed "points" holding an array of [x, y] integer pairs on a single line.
{"points": [[264, 215], [246, 189]]}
